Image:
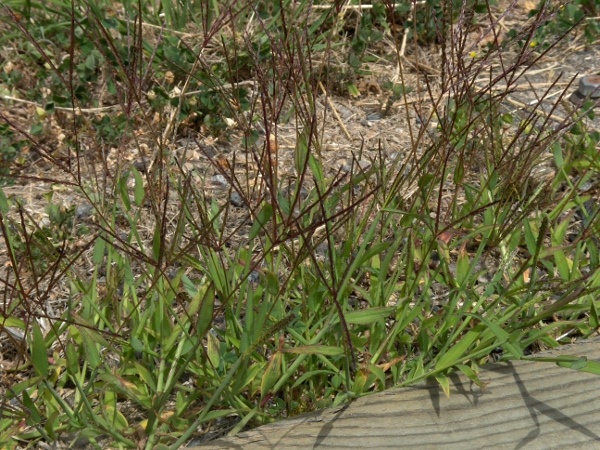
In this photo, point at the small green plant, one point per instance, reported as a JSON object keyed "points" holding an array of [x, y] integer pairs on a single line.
{"points": [[258, 281], [10, 148], [568, 15], [426, 20], [369, 32]]}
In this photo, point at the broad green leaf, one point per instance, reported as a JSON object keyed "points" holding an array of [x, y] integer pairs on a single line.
{"points": [[122, 187], [503, 337], [146, 376], [563, 264], [3, 202], [315, 349], [455, 354], [248, 376], [577, 364], [425, 179], [98, 255], [459, 173], [136, 344], [212, 349], [360, 381], [558, 155], [471, 374], [174, 338], [33, 416], [189, 344], [90, 61], [343, 397], [444, 383], [272, 373], [353, 90], [530, 238], [369, 315], [139, 192], [272, 282], [89, 347], [127, 388], [11, 322], [330, 374], [559, 232], [301, 153], [462, 267], [572, 362], [378, 372], [116, 418], [206, 311], [72, 359], [38, 351], [157, 241], [316, 168], [262, 219], [590, 367]]}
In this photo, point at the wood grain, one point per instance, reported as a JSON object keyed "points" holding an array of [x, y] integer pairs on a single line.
{"points": [[528, 405]]}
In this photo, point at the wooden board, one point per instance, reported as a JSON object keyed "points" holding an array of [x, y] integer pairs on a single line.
{"points": [[529, 405]]}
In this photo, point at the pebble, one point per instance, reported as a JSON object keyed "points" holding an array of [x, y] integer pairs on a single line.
{"points": [[83, 211], [358, 166], [253, 277], [142, 164], [374, 116], [586, 214], [290, 191], [236, 200], [220, 180], [344, 112]]}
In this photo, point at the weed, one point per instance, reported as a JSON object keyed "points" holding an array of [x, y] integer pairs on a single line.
{"points": [[173, 306]]}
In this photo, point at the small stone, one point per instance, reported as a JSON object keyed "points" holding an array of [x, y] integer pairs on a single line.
{"points": [[236, 200], [208, 150], [358, 166], [374, 116], [254, 277], [322, 249], [344, 112], [194, 442], [84, 211], [364, 165], [142, 164], [290, 192], [220, 180], [220, 323], [76, 441], [303, 194], [587, 213], [590, 86]]}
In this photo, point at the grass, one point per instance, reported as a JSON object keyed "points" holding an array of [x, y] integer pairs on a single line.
{"points": [[168, 312]]}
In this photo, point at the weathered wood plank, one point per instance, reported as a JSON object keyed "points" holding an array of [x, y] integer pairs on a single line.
{"points": [[525, 405]]}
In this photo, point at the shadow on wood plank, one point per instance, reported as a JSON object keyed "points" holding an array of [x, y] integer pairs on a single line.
{"points": [[528, 405]]}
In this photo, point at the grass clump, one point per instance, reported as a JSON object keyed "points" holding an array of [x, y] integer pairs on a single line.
{"points": [[193, 258]]}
